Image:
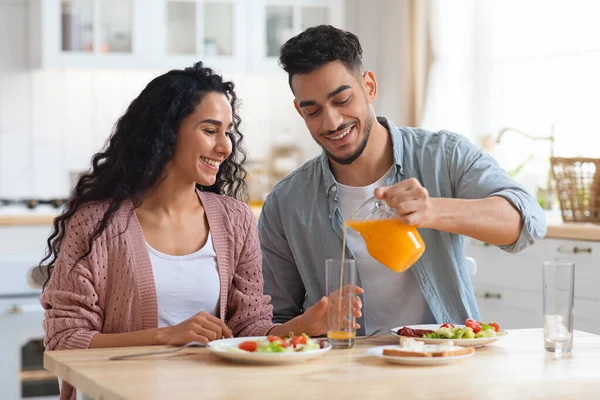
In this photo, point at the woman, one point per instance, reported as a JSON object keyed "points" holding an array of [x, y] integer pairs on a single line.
{"points": [[153, 248]]}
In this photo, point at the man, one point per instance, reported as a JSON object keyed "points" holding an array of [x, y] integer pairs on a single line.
{"points": [[437, 181]]}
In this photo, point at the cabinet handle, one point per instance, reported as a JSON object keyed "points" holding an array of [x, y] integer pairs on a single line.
{"points": [[574, 249], [489, 295]]}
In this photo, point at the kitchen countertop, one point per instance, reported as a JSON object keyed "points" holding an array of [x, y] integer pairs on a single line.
{"points": [[256, 210], [26, 219], [571, 230], [556, 227], [516, 366], [23, 217], [19, 215]]}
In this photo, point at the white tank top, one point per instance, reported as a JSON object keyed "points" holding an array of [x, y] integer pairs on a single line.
{"points": [[185, 285]]}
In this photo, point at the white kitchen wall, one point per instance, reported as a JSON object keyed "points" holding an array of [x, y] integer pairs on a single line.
{"points": [[52, 121], [451, 105], [537, 64], [383, 57]]}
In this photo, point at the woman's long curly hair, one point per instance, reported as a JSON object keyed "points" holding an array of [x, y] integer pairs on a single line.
{"points": [[135, 156]]}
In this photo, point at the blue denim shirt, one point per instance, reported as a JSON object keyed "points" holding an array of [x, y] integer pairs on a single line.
{"points": [[301, 224]]}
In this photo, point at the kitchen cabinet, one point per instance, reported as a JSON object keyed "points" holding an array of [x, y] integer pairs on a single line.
{"points": [[508, 287], [183, 32], [21, 315], [276, 21], [22, 374], [86, 33], [228, 35]]}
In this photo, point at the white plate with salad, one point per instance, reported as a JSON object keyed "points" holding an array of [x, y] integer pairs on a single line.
{"points": [[471, 334], [270, 349]]}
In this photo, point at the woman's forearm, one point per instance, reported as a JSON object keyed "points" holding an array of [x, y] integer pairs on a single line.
{"points": [[146, 337]]}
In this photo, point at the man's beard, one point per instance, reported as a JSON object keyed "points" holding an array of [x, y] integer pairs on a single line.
{"points": [[361, 147]]}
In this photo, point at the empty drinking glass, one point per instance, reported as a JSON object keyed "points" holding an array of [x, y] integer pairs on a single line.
{"points": [[558, 284]]}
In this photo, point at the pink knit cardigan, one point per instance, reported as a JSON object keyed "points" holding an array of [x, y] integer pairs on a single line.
{"points": [[113, 290]]}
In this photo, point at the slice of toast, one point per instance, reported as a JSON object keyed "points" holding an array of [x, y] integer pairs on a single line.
{"points": [[412, 348], [406, 353], [451, 352]]}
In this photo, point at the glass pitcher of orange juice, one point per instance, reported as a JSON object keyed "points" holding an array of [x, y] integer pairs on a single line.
{"points": [[388, 240]]}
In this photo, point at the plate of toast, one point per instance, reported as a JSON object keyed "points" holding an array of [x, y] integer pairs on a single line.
{"points": [[413, 352]]}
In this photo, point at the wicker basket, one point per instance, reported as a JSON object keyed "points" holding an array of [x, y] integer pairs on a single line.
{"points": [[578, 188]]}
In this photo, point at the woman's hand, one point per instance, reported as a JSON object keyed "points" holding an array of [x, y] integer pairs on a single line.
{"points": [[202, 327]]}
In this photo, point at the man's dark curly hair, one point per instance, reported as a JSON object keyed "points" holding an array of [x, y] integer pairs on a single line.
{"points": [[135, 156], [318, 46]]}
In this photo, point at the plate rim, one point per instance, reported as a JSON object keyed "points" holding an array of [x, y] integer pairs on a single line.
{"points": [[417, 360]]}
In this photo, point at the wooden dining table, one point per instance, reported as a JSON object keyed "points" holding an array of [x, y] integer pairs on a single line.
{"points": [[514, 367]]}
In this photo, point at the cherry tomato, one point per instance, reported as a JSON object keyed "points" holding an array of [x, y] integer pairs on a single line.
{"points": [[495, 326], [248, 345], [475, 325], [447, 325], [296, 340], [273, 338]]}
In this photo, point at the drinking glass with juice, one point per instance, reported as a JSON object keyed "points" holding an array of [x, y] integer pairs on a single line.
{"points": [[340, 281], [388, 240]]}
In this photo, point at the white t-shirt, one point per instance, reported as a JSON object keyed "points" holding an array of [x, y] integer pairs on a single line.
{"points": [[391, 299], [185, 285]]}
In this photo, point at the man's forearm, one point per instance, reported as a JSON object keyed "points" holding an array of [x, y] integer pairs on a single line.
{"points": [[492, 220]]}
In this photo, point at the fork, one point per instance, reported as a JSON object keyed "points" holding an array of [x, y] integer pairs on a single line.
{"points": [[152, 353], [375, 333]]}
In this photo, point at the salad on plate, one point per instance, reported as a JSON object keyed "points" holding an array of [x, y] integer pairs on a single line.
{"points": [[472, 330], [472, 333], [270, 349], [276, 344]]}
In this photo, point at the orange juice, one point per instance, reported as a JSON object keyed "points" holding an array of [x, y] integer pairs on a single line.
{"points": [[389, 241], [341, 335]]}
